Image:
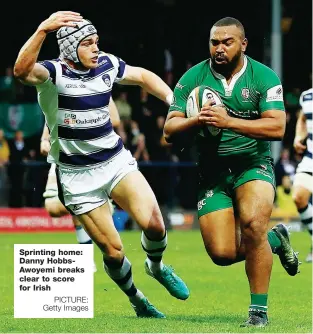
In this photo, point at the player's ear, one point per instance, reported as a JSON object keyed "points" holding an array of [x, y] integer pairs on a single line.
{"points": [[244, 44]]}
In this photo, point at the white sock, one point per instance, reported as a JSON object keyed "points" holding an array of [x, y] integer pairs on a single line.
{"points": [[154, 250], [82, 236], [155, 266]]}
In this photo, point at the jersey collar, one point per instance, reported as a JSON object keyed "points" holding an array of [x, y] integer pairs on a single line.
{"points": [[229, 87], [237, 75], [73, 69]]}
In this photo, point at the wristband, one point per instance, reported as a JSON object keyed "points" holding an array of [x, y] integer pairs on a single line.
{"points": [[169, 99]]}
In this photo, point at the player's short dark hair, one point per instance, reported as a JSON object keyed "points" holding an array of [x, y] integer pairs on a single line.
{"points": [[230, 21]]}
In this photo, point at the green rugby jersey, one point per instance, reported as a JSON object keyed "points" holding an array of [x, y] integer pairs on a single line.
{"points": [[253, 90]]}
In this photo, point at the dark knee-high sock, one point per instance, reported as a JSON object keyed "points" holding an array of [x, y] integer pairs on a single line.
{"points": [[121, 274], [154, 250]]}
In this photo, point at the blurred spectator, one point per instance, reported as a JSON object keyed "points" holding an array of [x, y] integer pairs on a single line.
{"points": [[283, 202], [284, 166], [16, 169], [168, 67], [138, 144], [4, 149], [134, 140], [123, 106], [292, 111], [292, 98], [7, 86], [160, 149], [4, 158], [11, 90], [33, 185]]}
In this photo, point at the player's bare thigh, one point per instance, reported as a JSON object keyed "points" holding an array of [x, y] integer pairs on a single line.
{"points": [[254, 203], [134, 195], [221, 235], [99, 225]]}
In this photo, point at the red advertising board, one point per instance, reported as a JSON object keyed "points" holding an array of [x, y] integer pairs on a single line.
{"points": [[32, 220]]}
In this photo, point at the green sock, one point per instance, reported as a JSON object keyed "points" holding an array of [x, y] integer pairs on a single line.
{"points": [[273, 240], [258, 302]]}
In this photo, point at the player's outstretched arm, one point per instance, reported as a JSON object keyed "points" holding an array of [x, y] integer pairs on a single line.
{"points": [[114, 115], [26, 69], [149, 81], [301, 133]]}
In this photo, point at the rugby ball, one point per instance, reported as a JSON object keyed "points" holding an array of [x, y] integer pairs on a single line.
{"points": [[197, 98]]}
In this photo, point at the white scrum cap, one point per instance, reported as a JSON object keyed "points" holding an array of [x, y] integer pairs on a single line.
{"points": [[69, 38]]}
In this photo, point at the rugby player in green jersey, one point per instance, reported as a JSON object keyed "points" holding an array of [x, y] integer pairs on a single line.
{"points": [[236, 176]]}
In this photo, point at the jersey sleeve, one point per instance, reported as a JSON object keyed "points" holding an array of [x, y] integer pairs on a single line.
{"points": [[119, 67], [49, 84], [181, 92], [51, 68], [271, 91]]}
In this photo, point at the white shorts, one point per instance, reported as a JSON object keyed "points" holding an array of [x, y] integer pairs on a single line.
{"points": [[82, 190], [305, 166], [305, 180]]}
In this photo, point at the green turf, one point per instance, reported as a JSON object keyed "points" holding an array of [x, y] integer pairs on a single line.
{"points": [[218, 301]]}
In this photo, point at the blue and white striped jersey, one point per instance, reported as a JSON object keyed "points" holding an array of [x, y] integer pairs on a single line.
{"points": [[75, 105], [306, 102]]}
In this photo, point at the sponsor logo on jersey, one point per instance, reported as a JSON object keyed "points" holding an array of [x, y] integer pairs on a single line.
{"points": [[275, 94], [179, 86], [247, 114], [104, 61], [173, 101], [245, 93], [71, 119], [75, 86], [106, 79]]}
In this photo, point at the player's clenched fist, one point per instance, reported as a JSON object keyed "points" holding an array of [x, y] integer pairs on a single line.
{"points": [[45, 147], [298, 144], [60, 19]]}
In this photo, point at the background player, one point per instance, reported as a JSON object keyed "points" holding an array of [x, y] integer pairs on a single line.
{"points": [[236, 177], [92, 164], [303, 181]]}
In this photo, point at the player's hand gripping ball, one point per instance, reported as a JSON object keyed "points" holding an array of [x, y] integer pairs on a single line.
{"points": [[196, 99]]}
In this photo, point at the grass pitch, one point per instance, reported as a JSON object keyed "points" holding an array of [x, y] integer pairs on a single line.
{"points": [[218, 302]]}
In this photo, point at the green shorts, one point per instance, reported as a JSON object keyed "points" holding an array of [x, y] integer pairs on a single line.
{"points": [[216, 187]]}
